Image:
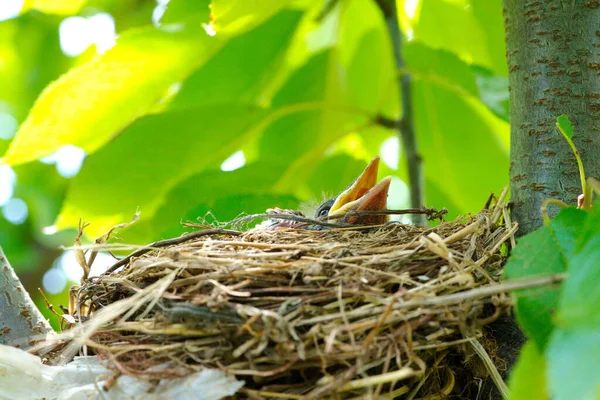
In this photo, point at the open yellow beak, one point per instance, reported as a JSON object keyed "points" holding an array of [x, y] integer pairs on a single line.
{"points": [[364, 194]]}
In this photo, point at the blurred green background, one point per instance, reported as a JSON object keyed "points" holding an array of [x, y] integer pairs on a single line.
{"points": [[181, 109]]}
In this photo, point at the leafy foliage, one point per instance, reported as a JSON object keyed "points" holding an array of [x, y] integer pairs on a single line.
{"points": [[87, 106], [563, 324]]}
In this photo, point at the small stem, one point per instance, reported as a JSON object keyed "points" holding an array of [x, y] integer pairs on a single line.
{"points": [[405, 127], [586, 201]]}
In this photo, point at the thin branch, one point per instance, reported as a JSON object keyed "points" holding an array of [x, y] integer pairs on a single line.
{"points": [[20, 320], [430, 213], [405, 127], [386, 122]]}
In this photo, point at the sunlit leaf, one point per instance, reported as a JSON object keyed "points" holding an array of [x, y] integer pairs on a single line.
{"points": [[373, 86], [528, 379], [463, 145], [92, 103], [178, 11], [451, 27], [234, 17], [316, 117], [236, 73], [489, 14], [357, 19], [440, 67], [154, 154], [62, 7]]}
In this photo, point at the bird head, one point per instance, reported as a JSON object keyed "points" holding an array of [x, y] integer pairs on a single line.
{"points": [[364, 194]]}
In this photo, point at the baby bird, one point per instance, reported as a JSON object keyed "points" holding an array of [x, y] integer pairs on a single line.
{"points": [[363, 194]]}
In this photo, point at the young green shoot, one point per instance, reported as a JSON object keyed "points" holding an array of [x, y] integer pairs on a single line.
{"points": [[566, 129]]}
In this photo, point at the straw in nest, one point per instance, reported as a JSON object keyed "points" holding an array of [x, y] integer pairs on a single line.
{"points": [[307, 314]]}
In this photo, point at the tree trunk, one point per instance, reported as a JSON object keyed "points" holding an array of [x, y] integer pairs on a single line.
{"points": [[553, 54]]}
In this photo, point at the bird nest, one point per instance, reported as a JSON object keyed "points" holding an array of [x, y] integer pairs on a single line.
{"points": [[307, 314]]}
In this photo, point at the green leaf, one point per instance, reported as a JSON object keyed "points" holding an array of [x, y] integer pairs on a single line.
{"points": [[373, 86], [528, 378], [536, 254], [31, 58], [362, 38], [243, 68], [490, 16], [580, 298], [564, 125], [451, 27], [573, 371], [178, 11], [441, 67], [92, 103], [454, 139], [547, 250], [152, 156], [315, 117], [575, 343], [225, 194], [493, 92], [567, 228], [234, 17]]}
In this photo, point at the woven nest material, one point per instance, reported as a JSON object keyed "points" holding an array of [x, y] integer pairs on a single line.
{"points": [[395, 311]]}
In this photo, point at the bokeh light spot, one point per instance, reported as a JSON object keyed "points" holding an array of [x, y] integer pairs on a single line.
{"points": [[159, 11], [10, 8], [390, 152], [78, 33], [399, 198], [235, 161], [72, 270], [410, 6], [15, 211], [8, 179], [8, 126], [68, 160], [54, 281]]}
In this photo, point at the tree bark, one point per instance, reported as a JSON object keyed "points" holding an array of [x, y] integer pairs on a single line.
{"points": [[553, 54], [21, 323]]}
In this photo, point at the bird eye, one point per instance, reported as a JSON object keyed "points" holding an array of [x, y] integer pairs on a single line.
{"points": [[324, 208]]}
